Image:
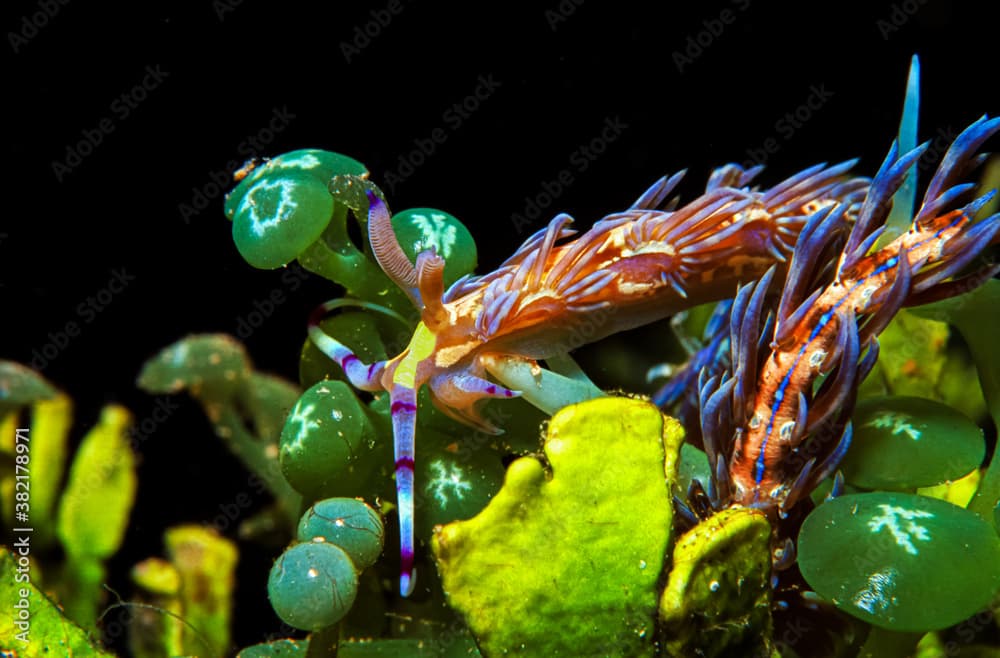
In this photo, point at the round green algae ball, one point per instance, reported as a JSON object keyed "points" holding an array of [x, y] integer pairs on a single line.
{"points": [[328, 444], [420, 229], [348, 523], [279, 217], [903, 443], [312, 586], [321, 165], [900, 561], [456, 477]]}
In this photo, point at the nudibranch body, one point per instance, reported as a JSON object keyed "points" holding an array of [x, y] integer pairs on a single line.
{"points": [[633, 267], [769, 437]]}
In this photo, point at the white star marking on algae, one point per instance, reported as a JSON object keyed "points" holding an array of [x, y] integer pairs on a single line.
{"points": [[435, 232], [899, 422], [302, 416], [447, 477], [304, 161], [905, 533], [285, 205]]}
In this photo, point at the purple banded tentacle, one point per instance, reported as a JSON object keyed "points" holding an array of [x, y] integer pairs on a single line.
{"points": [[403, 408], [458, 395], [366, 377]]}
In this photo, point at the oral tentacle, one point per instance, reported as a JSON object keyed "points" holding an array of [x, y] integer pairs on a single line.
{"points": [[366, 377]]}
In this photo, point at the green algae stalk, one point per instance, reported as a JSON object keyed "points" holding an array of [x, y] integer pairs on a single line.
{"points": [[206, 563], [94, 511]]}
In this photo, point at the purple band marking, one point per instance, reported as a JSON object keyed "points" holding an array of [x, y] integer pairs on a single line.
{"points": [[350, 358], [399, 405], [404, 462]]}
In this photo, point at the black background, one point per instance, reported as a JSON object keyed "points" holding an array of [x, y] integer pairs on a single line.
{"points": [[561, 76]]}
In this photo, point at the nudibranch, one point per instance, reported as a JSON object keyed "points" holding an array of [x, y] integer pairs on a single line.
{"points": [[632, 267], [770, 437]]}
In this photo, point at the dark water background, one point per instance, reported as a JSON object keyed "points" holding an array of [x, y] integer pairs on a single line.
{"points": [[570, 106]]}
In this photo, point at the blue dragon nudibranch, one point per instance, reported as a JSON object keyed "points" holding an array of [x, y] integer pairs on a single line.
{"points": [[769, 438], [645, 263]]}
